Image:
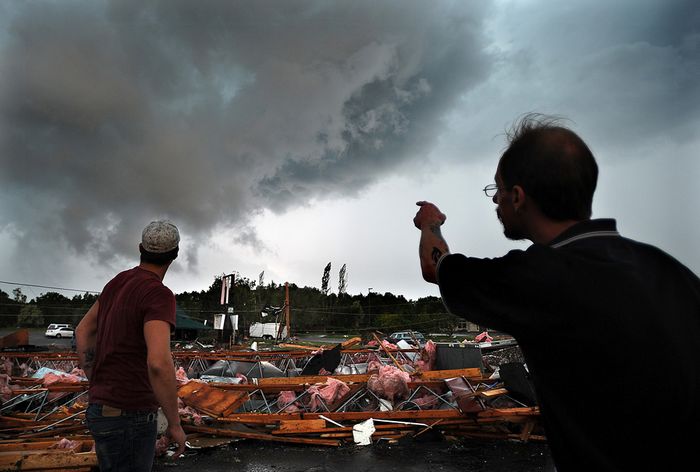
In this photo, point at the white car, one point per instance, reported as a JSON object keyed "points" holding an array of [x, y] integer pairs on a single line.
{"points": [[407, 336], [59, 332]]}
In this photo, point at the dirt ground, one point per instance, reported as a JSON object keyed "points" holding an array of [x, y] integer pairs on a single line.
{"points": [[411, 456]]}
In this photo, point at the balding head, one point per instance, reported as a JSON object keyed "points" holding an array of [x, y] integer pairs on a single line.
{"points": [[553, 165]]}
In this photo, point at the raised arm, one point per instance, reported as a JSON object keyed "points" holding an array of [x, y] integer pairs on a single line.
{"points": [[432, 245], [85, 335], [161, 373]]}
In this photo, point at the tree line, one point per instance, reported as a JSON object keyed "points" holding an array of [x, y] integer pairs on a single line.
{"points": [[311, 309]]}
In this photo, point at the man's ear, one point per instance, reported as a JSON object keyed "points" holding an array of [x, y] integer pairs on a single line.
{"points": [[517, 197]]}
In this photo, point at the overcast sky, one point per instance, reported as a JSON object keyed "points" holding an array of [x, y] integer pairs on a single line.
{"points": [[280, 136]]}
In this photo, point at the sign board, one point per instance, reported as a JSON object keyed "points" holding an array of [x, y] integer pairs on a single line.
{"points": [[219, 321]]}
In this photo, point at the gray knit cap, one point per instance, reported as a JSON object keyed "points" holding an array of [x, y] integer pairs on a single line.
{"points": [[160, 236]]}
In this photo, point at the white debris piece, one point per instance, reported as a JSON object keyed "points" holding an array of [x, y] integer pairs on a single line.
{"points": [[362, 432]]}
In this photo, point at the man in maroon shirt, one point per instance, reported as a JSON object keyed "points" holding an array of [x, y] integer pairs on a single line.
{"points": [[123, 343]]}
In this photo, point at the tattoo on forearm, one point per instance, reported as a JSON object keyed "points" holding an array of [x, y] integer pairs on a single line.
{"points": [[436, 254], [89, 355]]}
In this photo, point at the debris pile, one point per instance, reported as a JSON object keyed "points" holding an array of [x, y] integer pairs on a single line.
{"points": [[353, 396]]}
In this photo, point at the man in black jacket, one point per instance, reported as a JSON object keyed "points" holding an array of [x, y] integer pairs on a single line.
{"points": [[608, 326]]}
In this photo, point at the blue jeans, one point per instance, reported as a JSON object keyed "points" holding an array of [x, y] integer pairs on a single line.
{"points": [[124, 440]]}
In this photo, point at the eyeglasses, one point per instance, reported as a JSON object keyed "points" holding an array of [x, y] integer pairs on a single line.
{"points": [[491, 189]]}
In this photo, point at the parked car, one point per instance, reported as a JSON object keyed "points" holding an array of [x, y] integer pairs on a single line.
{"points": [[64, 331], [407, 336]]}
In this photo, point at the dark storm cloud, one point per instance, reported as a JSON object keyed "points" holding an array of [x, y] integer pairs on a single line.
{"points": [[113, 113]]}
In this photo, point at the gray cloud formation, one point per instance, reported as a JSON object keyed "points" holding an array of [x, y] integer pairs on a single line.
{"points": [[207, 112]]}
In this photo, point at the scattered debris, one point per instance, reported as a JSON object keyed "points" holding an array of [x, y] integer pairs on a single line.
{"points": [[362, 395]]}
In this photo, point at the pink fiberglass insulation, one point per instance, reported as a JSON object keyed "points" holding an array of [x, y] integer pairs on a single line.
{"points": [[64, 444], [483, 337], [78, 372], [181, 376], [330, 392], [427, 357], [6, 390], [286, 397], [390, 383], [52, 378]]}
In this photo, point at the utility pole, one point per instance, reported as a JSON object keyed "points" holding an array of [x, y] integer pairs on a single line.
{"points": [[286, 314], [369, 305], [227, 281], [287, 308]]}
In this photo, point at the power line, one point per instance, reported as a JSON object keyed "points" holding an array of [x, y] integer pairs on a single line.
{"points": [[46, 286]]}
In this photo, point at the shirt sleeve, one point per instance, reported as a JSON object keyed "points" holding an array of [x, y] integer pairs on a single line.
{"points": [[159, 304], [511, 293]]}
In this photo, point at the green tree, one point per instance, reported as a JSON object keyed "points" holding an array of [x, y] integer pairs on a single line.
{"points": [[9, 309], [30, 316]]}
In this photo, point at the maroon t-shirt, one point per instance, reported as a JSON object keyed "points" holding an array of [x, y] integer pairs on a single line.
{"points": [[120, 372]]}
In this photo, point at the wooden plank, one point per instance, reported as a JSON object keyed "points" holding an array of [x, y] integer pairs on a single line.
{"points": [[345, 429], [348, 434], [300, 347], [524, 411], [409, 415], [260, 436], [470, 373], [58, 431], [398, 366], [29, 445], [48, 460], [493, 393], [350, 342], [211, 400], [300, 426]]}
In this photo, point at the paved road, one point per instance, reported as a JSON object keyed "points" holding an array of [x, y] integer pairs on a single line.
{"points": [[37, 338], [411, 456]]}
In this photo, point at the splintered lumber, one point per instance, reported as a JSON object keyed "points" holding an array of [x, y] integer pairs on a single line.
{"points": [[44, 455], [410, 415], [493, 393], [344, 345], [300, 347], [470, 373], [350, 342], [309, 429], [56, 431], [300, 426], [509, 412], [47, 460], [261, 436], [211, 400]]}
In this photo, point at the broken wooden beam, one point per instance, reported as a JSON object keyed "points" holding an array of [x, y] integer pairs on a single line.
{"points": [[261, 436]]}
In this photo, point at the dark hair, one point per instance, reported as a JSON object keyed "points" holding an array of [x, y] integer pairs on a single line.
{"points": [[156, 258], [553, 166]]}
